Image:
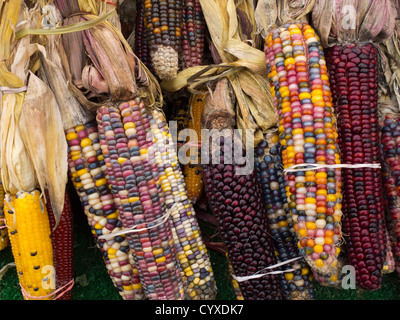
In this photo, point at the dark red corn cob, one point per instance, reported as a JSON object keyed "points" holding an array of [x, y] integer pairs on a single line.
{"points": [[390, 146], [193, 33], [141, 48], [236, 203], [354, 81], [63, 247]]}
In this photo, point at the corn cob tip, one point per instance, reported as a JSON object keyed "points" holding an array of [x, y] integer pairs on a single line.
{"points": [[165, 62]]}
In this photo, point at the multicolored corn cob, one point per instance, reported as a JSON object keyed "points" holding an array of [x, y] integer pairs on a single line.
{"points": [[301, 92], [192, 170], [62, 238], [88, 174], [29, 231], [133, 176], [269, 168], [307, 134], [163, 23], [141, 48], [390, 151], [196, 270], [353, 74], [193, 33], [4, 240]]}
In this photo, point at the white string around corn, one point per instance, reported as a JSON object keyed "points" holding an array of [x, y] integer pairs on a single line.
{"points": [[314, 166], [163, 219], [260, 275], [7, 90]]}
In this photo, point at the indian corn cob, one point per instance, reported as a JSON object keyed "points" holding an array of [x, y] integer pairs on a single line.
{"points": [[235, 200], [390, 133], [133, 176], [192, 170], [4, 240], [141, 47], [163, 23], [29, 231], [354, 81], [301, 93], [88, 174], [269, 168], [193, 33], [196, 271], [62, 238]]}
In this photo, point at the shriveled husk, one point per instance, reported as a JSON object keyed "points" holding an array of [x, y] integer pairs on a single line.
{"points": [[232, 28], [270, 14], [33, 153], [17, 172], [73, 114], [339, 22], [390, 61], [111, 69]]}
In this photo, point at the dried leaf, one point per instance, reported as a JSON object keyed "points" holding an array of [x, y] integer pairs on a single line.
{"points": [[43, 135]]}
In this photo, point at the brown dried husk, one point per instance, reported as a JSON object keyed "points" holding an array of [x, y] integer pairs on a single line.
{"points": [[72, 112], [270, 14], [42, 131], [120, 74], [339, 22], [390, 61]]}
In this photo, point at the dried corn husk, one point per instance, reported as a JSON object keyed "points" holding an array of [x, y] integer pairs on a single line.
{"points": [[243, 64], [270, 14], [72, 112], [349, 21], [33, 152], [110, 69], [17, 168], [390, 61], [43, 135]]}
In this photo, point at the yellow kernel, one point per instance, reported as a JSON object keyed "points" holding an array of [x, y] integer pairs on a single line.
{"points": [[122, 160], [71, 136], [129, 125], [289, 276], [161, 259], [319, 263], [86, 142], [318, 248], [101, 182]]}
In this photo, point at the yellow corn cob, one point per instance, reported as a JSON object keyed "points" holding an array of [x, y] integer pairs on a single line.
{"points": [[33, 251], [4, 241], [192, 172], [13, 235]]}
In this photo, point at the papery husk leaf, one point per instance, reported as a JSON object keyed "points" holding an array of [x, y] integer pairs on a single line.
{"points": [[73, 44], [246, 53], [233, 20], [266, 15], [353, 21], [80, 26], [18, 173], [43, 135], [217, 21]]}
